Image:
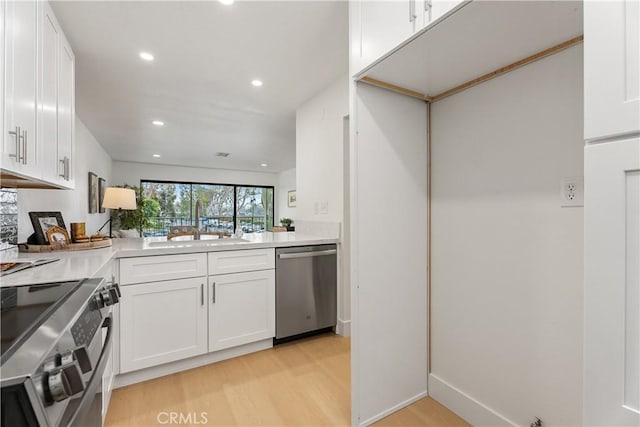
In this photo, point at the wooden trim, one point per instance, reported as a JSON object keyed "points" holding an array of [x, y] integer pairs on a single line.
{"points": [[507, 68], [395, 88], [500, 71], [429, 176]]}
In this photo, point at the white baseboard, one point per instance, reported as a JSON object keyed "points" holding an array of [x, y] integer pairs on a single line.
{"points": [[393, 409], [134, 377], [343, 328], [465, 406]]}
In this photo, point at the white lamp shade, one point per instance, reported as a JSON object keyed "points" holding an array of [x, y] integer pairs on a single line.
{"points": [[119, 198]]}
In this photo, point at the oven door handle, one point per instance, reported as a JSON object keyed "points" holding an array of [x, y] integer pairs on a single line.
{"points": [[96, 378]]}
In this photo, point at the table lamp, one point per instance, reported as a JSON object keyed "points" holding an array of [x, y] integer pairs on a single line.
{"points": [[118, 198]]}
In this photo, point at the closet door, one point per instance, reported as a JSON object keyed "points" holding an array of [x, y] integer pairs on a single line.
{"points": [[389, 253], [612, 284]]}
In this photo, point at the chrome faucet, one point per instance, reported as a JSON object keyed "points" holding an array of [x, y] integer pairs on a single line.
{"points": [[196, 229]]}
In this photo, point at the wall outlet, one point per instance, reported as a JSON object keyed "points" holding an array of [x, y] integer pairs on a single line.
{"points": [[324, 208], [572, 191]]}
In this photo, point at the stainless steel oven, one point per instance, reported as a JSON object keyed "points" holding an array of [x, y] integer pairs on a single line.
{"points": [[53, 354]]}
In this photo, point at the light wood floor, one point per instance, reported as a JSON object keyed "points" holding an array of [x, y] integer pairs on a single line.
{"points": [[304, 383]]}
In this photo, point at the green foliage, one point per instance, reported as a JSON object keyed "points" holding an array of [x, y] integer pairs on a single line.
{"points": [[133, 219], [286, 222]]}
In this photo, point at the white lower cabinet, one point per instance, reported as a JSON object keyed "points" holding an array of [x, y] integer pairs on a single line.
{"points": [[162, 322], [242, 308]]}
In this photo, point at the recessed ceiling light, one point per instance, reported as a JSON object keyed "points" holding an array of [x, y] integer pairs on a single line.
{"points": [[146, 56], [256, 83], [158, 122], [156, 155], [226, 2], [264, 165]]}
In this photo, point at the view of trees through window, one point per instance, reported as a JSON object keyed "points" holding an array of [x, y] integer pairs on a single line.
{"points": [[170, 205]]}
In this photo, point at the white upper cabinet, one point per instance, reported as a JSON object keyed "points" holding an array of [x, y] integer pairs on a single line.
{"points": [[611, 68], [19, 153], [381, 26], [377, 27], [39, 96], [439, 8], [48, 93], [66, 113]]}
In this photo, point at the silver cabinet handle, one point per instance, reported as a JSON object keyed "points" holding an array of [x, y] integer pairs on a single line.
{"points": [[412, 14], [214, 293], [202, 294], [24, 144], [66, 168], [307, 254], [17, 135], [427, 5]]}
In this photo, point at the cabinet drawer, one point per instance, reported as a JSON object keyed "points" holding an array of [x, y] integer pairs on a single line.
{"points": [[239, 261], [164, 267]]}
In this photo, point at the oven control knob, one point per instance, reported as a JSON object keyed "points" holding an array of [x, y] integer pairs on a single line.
{"points": [[64, 382], [78, 355], [115, 297], [98, 300], [106, 298]]}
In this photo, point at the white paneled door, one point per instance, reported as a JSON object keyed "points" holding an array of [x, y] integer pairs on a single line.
{"points": [[612, 284]]}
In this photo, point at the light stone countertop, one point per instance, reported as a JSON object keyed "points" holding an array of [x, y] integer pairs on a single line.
{"points": [[75, 265]]}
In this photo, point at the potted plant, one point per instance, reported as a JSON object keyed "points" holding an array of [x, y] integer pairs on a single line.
{"points": [[286, 222]]}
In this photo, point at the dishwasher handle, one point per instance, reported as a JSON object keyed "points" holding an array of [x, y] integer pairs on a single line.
{"points": [[307, 254]]}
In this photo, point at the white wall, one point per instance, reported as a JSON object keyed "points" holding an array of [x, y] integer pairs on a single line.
{"points": [[131, 173], [74, 204], [389, 252], [319, 150], [286, 182], [507, 260], [320, 172]]}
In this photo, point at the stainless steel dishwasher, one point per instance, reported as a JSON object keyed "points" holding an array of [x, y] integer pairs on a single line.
{"points": [[306, 288]]}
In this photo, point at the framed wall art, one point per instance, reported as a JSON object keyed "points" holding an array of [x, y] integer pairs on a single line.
{"points": [[291, 198], [102, 187], [93, 193]]}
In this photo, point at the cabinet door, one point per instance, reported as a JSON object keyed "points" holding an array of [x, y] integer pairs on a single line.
{"points": [[383, 25], [66, 113], [19, 152], [162, 322], [612, 284], [611, 68], [438, 8], [48, 94], [242, 308]]}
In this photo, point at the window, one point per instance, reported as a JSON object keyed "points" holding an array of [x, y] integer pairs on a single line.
{"points": [[169, 206]]}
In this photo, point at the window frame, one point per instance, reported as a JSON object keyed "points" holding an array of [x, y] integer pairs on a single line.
{"points": [[235, 195]]}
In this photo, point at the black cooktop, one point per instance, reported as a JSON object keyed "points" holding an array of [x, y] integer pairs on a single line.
{"points": [[24, 308]]}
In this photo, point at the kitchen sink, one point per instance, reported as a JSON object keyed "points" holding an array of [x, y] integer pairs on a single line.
{"points": [[204, 240]]}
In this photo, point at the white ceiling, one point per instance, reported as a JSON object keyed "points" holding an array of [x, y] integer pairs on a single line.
{"points": [[199, 84]]}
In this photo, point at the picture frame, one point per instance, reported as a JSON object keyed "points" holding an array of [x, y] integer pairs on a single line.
{"points": [[42, 222], [93, 193], [291, 199], [102, 187], [58, 236]]}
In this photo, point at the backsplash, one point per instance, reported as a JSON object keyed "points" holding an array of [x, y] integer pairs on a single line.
{"points": [[8, 217]]}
